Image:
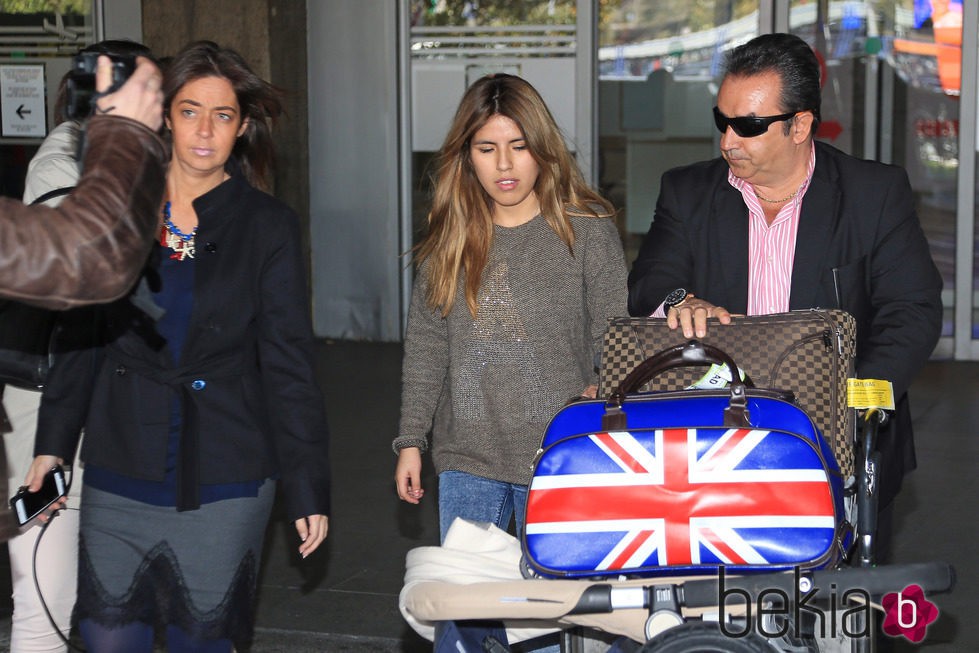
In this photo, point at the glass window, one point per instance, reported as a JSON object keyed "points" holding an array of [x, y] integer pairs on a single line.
{"points": [[658, 62], [45, 27], [890, 92], [473, 13]]}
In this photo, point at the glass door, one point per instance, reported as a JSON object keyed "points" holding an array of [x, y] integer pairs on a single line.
{"points": [[891, 92], [658, 65], [452, 43]]}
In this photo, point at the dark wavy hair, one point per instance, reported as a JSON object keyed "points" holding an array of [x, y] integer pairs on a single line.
{"points": [[792, 59], [260, 102]]}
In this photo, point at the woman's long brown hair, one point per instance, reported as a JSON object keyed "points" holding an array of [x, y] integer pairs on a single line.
{"points": [[460, 223]]}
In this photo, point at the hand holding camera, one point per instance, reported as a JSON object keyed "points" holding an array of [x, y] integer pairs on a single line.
{"points": [[118, 85]]}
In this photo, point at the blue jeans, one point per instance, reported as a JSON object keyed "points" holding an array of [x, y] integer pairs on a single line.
{"points": [[481, 500]]}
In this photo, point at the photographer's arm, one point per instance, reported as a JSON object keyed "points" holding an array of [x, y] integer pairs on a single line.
{"points": [[90, 248]]}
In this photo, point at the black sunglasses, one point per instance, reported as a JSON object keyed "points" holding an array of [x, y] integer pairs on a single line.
{"points": [[748, 126]]}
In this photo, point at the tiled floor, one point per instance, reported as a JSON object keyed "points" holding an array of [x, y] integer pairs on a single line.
{"points": [[345, 597]]}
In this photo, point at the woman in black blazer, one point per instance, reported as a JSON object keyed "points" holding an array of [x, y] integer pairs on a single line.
{"points": [[201, 392]]}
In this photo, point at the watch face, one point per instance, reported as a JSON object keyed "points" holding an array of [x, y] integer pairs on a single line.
{"points": [[675, 297]]}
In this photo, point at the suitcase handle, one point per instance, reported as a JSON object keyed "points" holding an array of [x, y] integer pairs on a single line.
{"points": [[690, 353]]}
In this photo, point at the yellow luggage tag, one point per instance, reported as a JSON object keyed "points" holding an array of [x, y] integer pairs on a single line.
{"points": [[863, 394]]}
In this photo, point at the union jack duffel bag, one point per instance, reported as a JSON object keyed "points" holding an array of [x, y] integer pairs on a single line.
{"points": [[682, 482]]}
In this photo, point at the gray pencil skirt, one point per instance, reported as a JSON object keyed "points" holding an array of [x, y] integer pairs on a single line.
{"points": [[195, 569]]}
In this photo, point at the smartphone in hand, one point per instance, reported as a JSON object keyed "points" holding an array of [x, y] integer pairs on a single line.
{"points": [[28, 505]]}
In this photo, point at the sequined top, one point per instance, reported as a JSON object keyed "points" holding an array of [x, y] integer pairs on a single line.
{"points": [[486, 387]]}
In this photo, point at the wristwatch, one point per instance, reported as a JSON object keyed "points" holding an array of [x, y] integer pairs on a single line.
{"points": [[676, 298]]}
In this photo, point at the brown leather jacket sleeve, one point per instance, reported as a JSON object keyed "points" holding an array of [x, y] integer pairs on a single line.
{"points": [[91, 247]]}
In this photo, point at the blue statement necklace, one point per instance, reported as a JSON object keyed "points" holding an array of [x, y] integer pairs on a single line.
{"points": [[181, 243]]}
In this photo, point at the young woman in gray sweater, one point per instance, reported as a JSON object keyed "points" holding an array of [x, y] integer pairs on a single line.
{"points": [[517, 276]]}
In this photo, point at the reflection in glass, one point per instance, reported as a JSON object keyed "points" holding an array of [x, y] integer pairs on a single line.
{"points": [[899, 64], [658, 63], [472, 13], [44, 28], [64, 7]]}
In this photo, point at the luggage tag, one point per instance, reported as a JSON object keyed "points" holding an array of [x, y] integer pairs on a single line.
{"points": [[717, 376], [863, 394]]}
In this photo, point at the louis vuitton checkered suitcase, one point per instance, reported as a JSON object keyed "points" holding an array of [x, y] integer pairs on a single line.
{"points": [[809, 352]]}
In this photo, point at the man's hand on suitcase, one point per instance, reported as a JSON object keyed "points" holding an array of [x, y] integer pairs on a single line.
{"points": [[691, 316], [408, 475]]}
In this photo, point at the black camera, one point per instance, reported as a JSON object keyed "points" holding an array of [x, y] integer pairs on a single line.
{"points": [[80, 88]]}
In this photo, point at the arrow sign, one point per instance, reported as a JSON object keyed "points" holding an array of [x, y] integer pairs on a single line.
{"points": [[22, 101]]}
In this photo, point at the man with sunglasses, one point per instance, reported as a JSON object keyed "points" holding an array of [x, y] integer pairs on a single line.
{"points": [[781, 222]]}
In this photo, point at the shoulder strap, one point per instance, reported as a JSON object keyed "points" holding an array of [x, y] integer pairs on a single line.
{"points": [[51, 194]]}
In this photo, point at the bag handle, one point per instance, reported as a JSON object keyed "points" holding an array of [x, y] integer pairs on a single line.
{"points": [[690, 353]]}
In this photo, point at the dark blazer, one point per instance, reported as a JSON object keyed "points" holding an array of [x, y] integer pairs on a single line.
{"points": [[860, 248], [251, 406]]}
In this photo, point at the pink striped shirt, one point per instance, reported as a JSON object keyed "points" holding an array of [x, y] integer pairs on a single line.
{"points": [[771, 247]]}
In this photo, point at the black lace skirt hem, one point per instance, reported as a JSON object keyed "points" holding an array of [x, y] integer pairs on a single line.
{"points": [[195, 570], [159, 597]]}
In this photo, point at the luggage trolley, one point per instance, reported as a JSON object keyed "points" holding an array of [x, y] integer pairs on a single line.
{"points": [[784, 561]]}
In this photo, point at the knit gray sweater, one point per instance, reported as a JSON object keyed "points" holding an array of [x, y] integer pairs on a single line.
{"points": [[486, 388]]}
